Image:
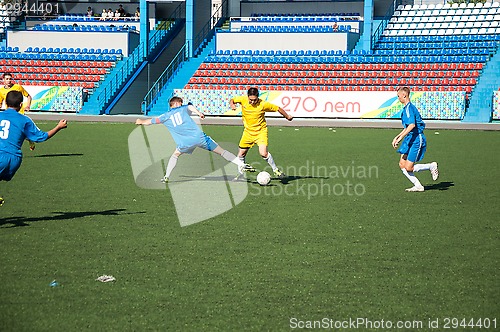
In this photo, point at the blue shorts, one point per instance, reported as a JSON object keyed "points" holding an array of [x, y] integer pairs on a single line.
{"points": [[414, 147], [9, 165], [206, 143]]}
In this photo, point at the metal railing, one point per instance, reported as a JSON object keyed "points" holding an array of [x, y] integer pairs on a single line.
{"points": [[205, 34], [385, 21], [208, 30], [115, 82], [165, 77], [119, 77]]}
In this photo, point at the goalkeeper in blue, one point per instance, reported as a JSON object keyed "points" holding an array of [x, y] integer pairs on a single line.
{"points": [[188, 136], [14, 129], [413, 142]]}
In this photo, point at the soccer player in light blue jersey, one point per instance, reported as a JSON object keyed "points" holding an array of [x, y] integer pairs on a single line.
{"points": [[188, 136], [413, 144], [14, 129]]}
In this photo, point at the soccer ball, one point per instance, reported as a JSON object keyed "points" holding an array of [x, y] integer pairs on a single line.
{"points": [[263, 178]]}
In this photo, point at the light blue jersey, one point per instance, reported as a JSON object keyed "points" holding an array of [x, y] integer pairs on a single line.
{"points": [[185, 132], [414, 144]]}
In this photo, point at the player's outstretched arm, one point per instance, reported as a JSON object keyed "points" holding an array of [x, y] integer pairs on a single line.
{"points": [[285, 114], [143, 122], [27, 107], [232, 104], [61, 125], [195, 110]]}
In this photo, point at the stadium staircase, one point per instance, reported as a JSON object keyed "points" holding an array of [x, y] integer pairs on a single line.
{"points": [[174, 77], [183, 67], [481, 99], [119, 80]]}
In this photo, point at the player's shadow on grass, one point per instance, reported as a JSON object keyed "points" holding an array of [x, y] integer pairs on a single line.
{"points": [[291, 178], [440, 186], [249, 179], [188, 178], [288, 179], [23, 221], [58, 155]]}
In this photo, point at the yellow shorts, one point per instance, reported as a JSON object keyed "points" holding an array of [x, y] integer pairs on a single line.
{"points": [[248, 140]]}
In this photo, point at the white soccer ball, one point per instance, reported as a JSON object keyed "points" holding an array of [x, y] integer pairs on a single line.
{"points": [[263, 178]]}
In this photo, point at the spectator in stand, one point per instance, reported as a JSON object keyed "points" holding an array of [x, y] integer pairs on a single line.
{"points": [[137, 14], [104, 15], [117, 15], [111, 14], [90, 12], [122, 11]]}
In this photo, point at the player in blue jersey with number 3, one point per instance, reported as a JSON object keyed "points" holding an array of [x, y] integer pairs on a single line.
{"points": [[14, 129], [413, 144], [188, 136]]}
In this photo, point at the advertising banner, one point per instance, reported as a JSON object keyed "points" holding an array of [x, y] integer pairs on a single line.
{"points": [[55, 98], [335, 104]]}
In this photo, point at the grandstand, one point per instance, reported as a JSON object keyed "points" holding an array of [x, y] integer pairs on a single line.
{"points": [[440, 50]]}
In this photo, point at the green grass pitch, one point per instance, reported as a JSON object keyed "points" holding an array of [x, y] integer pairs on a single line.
{"points": [[289, 255]]}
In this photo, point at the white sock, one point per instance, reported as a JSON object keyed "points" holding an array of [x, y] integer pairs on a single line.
{"points": [[421, 167], [232, 158], [413, 179], [270, 161], [171, 165]]}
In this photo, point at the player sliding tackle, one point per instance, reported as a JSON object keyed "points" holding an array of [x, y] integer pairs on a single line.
{"points": [[188, 136]]}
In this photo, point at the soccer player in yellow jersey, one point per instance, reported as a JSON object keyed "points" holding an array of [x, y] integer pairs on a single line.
{"points": [[253, 110], [8, 85]]}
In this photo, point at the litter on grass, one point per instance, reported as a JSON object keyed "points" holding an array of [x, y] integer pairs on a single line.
{"points": [[106, 278]]}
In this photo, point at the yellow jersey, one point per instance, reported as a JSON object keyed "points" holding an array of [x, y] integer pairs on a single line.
{"points": [[15, 87], [253, 115]]}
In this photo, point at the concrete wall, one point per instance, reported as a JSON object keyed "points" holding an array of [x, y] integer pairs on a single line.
{"points": [[245, 21], [282, 41], [111, 40], [30, 23], [298, 7]]}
